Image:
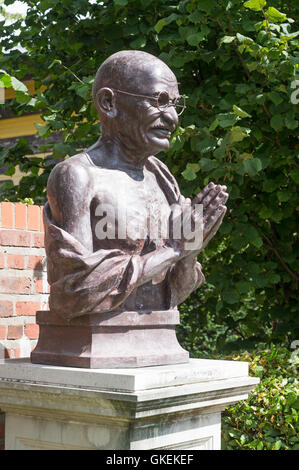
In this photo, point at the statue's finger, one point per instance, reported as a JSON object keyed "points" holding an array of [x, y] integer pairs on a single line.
{"points": [[213, 231], [213, 219], [198, 199], [220, 199], [224, 196], [208, 193], [211, 196], [211, 234], [210, 211]]}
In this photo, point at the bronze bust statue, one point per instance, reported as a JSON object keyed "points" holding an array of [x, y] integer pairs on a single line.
{"points": [[115, 286]]}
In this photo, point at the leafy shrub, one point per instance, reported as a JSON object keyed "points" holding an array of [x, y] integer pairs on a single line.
{"points": [[269, 419]]}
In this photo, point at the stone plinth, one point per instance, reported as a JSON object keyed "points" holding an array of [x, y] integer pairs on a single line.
{"points": [[162, 407], [108, 340]]}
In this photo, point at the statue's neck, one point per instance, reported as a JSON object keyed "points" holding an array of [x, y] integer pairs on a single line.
{"points": [[111, 153]]}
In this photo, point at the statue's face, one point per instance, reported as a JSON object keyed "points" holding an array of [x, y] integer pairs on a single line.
{"points": [[141, 125]]}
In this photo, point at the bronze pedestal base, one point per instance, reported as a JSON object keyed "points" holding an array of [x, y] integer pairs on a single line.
{"points": [[110, 340]]}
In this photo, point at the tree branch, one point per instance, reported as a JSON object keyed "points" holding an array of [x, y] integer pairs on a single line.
{"points": [[282, 262]]}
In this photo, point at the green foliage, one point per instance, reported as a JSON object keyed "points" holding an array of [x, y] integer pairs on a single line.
{"points": [[6, 14], [269, 419], [236, 62]]}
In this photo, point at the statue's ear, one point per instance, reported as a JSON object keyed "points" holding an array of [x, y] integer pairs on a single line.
{"points": [[105, 101]]}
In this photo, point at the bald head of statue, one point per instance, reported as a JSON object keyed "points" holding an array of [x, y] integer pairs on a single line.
{"points": [[135, 121]]}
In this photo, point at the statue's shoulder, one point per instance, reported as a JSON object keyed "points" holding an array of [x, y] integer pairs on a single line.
{"points": [[73, 170], [77, 164]]}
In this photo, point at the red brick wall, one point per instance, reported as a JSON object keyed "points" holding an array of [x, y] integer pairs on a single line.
{"points": [[23, 277], [23, 280]]}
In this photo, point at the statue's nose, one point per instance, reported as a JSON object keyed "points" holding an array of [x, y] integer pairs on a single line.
{"points": [[170, 117]]}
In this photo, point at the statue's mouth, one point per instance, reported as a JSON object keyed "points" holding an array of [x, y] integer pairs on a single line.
{"points": [[161, 131]]}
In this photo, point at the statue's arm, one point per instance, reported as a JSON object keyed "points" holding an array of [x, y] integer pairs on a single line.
{"points": [[184, 277], [68, 192], [156, 263]]}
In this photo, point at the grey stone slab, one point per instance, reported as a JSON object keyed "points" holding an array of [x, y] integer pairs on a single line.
{"points": [[126, 380]]}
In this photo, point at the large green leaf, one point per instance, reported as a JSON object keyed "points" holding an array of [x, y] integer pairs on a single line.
{"points": [[274, 15], [237, 134], [226, 119], [240, 112], [17, 85], [255, 5], [277, 122], [42, 129], [252, 166]]}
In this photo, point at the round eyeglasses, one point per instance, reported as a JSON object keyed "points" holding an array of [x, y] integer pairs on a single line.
{"points": [[162, 100]]}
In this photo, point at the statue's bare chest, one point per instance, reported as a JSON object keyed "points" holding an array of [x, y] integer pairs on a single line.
{"points": [[132, 208]]}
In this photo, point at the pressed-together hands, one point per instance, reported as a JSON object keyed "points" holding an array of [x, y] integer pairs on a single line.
{"points": [[182, 257], [213, 198]]}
